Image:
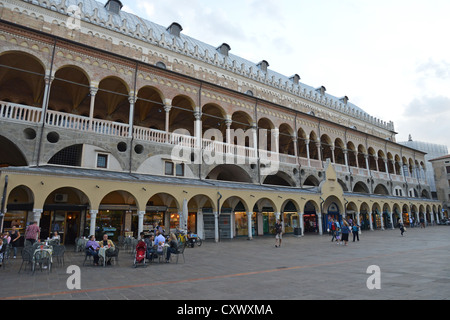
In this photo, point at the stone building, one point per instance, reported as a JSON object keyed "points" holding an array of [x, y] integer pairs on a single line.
{"points": [[441, 168], [112, 123]]}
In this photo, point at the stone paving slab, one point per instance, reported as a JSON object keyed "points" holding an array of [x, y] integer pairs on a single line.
{"points": [[416, 266]]}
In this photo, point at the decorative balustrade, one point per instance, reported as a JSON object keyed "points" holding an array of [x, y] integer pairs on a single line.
{"points": [[22, 113]]}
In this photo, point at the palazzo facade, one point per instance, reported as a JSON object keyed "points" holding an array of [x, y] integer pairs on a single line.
{"points": [[112, 123]]}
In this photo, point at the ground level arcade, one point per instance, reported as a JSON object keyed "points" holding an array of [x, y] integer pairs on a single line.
{"points": [[77, 202]]}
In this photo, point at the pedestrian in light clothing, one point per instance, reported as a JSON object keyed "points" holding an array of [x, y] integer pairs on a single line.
{"points": [[278, 233], [338, 232]]}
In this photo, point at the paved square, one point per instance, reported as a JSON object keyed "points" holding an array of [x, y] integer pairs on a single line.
{"points": [[416, 266]]}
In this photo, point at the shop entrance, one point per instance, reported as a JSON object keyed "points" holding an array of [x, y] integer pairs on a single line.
{"points": [[64, 220], [310, 219]]}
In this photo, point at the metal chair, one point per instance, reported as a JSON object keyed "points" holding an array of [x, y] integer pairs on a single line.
{"points": [[180, 251], [43, 258], [58, 253], [27, 256]]}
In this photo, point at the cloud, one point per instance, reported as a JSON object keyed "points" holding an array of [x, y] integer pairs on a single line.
{"points": [[426, 119]]}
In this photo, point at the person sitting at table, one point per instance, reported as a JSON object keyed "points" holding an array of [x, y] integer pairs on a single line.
{"points": [[56, 237], [111, 251], [93, 246], [150, 241], [173, 246]]}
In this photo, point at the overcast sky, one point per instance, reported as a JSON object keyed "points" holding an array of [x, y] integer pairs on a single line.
{"points": [[391, 58]]}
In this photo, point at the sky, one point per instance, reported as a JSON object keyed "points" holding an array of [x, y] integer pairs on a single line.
{"points": [[390, 57]]}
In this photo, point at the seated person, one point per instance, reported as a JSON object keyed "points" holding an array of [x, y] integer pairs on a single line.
{"points": [[159, 242], [173, 246], [92, 247], [111, 251]]}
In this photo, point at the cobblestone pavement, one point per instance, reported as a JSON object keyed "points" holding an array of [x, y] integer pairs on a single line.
{"points": [[415, 266]]}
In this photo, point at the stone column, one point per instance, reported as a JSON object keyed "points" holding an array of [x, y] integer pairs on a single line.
{"points": [[307, 152], [249, 225], [140, 222], [319, 222], [302, 223], [37, 214], [93, 92], [132, 100], [216, 226], [167, 109], [198, 128], [93, 214], [48, 82]]}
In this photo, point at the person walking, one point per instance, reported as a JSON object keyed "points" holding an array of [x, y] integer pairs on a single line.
{"points": [[32, 232], [345, 232], [402, 227], [332, 229], [355, 231], [278, 233], [338, 231], [15, 236]]}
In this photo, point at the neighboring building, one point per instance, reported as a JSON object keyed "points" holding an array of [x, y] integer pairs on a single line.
{"points": [[441, 168], [112, 123], [432, 151]]}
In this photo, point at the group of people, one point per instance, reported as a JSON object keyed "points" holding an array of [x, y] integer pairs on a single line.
{"points": [[155, 245], [340, 231], [93, 248]]}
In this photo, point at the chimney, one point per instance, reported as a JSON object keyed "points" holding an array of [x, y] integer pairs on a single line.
{"points": [[344, 99], [295, 79], [114, 6], [224, 48], [321, 90], [175, 29], [263, 65]]}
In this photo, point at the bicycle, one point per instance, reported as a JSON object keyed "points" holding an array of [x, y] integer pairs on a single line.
{"points": [[189, 238]]}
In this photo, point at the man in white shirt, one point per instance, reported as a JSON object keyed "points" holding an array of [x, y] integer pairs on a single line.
{"points": [[159, 238]]}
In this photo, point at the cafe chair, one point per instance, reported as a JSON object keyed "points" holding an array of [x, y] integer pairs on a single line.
{"points": [[27, 257], [58, 253], [114, 256], [43, 259], [180, 251]]}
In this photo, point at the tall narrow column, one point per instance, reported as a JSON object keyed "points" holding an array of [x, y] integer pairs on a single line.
{"points": [[249, 225], [216, 226], [198, 128], [37, 214], [93, 92], [48, 82], [93, 214], [131, 99], [140, 222], [307, 152]]}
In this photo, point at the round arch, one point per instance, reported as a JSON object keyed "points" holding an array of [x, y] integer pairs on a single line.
{"points": [[229, 172], [63, 212], [11, 155], [149, 108], [70, 91], [21, 78], [112, 100]]}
